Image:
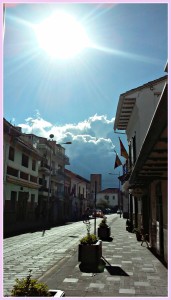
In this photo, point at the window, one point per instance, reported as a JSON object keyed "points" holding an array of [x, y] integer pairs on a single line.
{"points": [[33, 164], [25, 160], [106, 197], [113, 197], [11, 153], [12, 171], [24, 175], [33, 179], [42, 181]]}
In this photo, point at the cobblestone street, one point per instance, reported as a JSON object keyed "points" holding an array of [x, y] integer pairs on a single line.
{"points": [[133, 269]]}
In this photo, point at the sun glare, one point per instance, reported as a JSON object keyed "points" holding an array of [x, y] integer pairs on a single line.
{"points": [[61, 36]]}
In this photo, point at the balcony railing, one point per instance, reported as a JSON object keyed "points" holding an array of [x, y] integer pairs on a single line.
{"points": [[44, 166]]}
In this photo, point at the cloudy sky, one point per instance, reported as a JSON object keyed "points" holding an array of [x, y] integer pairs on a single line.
{"points": [[75, 96]]}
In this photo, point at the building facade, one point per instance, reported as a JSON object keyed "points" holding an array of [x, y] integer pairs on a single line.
{"points": [[51, 200], [142, 113], [108, 198], [20, 181], [79, 192]]}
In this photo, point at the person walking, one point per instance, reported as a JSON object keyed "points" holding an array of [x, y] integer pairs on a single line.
{"points": [[86, 215]]}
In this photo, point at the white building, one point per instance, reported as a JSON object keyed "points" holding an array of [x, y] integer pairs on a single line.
{"points": [[142, 113], [20, 180], [108, 198], [79, 194], [51, 177]]}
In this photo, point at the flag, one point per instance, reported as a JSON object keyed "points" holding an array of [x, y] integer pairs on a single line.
{"points": [[117, 162], [123, 150]]}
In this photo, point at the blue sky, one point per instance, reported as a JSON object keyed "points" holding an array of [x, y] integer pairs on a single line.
{"points": [[77, 98]]}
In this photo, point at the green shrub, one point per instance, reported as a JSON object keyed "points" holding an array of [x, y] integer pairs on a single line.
{"points": [[89, 239], [103, 223], [29, 287]]}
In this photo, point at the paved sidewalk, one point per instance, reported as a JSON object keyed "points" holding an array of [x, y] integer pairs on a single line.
{"points": [[133, 271]]}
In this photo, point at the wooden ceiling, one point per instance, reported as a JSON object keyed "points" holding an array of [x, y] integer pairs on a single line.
{"points": [[156, 164], [126, 111]]}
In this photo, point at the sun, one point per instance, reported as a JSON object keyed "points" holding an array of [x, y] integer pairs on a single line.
{"points": [[61, 36]]}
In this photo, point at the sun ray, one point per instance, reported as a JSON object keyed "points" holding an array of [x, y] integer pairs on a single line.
{"points": [[128, 55]]}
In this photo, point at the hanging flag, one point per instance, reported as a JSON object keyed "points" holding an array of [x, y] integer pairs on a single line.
{"points": [[123, 150], [117, 162]]}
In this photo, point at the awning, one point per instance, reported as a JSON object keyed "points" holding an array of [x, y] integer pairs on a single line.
{"points": [[152, 160]]}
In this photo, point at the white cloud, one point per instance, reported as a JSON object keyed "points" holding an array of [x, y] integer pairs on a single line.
{"points": [[93, 142]]}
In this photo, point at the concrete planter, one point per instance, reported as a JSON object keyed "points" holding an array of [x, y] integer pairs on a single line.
{"points": [[104, 232], [90, 254]]}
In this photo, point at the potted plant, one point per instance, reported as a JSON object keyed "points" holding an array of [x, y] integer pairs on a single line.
{"points": [[137, 231], [90, 248], [28, 287], [104, 230], [129, 226]]}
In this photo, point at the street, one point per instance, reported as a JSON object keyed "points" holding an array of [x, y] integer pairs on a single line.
{"points": [[40, 252]]}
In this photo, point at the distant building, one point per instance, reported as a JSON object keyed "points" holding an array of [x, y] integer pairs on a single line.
{"points": [[79, 194], [95, 178], [108, 198]]}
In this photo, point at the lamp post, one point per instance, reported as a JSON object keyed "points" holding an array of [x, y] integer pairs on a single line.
{"points": [[81, 199], [64, 193], [95, 206], [51, 136], [49, 186], [119, 191]]}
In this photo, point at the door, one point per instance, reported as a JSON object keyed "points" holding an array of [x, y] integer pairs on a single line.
{"points": [[22, 206], [159, 220]]}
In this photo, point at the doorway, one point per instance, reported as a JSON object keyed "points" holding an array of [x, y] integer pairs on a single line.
{"points": [[159, 220]]}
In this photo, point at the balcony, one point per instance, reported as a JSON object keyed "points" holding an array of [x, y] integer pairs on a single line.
{"points": [[44, 167], [64, 159], [57, 174], [43, 191]]}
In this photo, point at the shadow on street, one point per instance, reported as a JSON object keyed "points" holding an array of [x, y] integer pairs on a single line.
{"points": [[93, 268]]}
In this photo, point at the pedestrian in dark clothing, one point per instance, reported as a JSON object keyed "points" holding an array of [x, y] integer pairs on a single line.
{"points": [[86, 215]]}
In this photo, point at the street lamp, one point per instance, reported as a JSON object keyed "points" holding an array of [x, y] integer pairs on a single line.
{"points": [[67, 143], [95, 206], [49, 186], [51, 136], [65, 205], [119, 191], [94, 195]]}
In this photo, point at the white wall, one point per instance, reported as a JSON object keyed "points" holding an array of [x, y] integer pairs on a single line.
{"points": [[8, 187], [112, 201], [145, 105]]}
